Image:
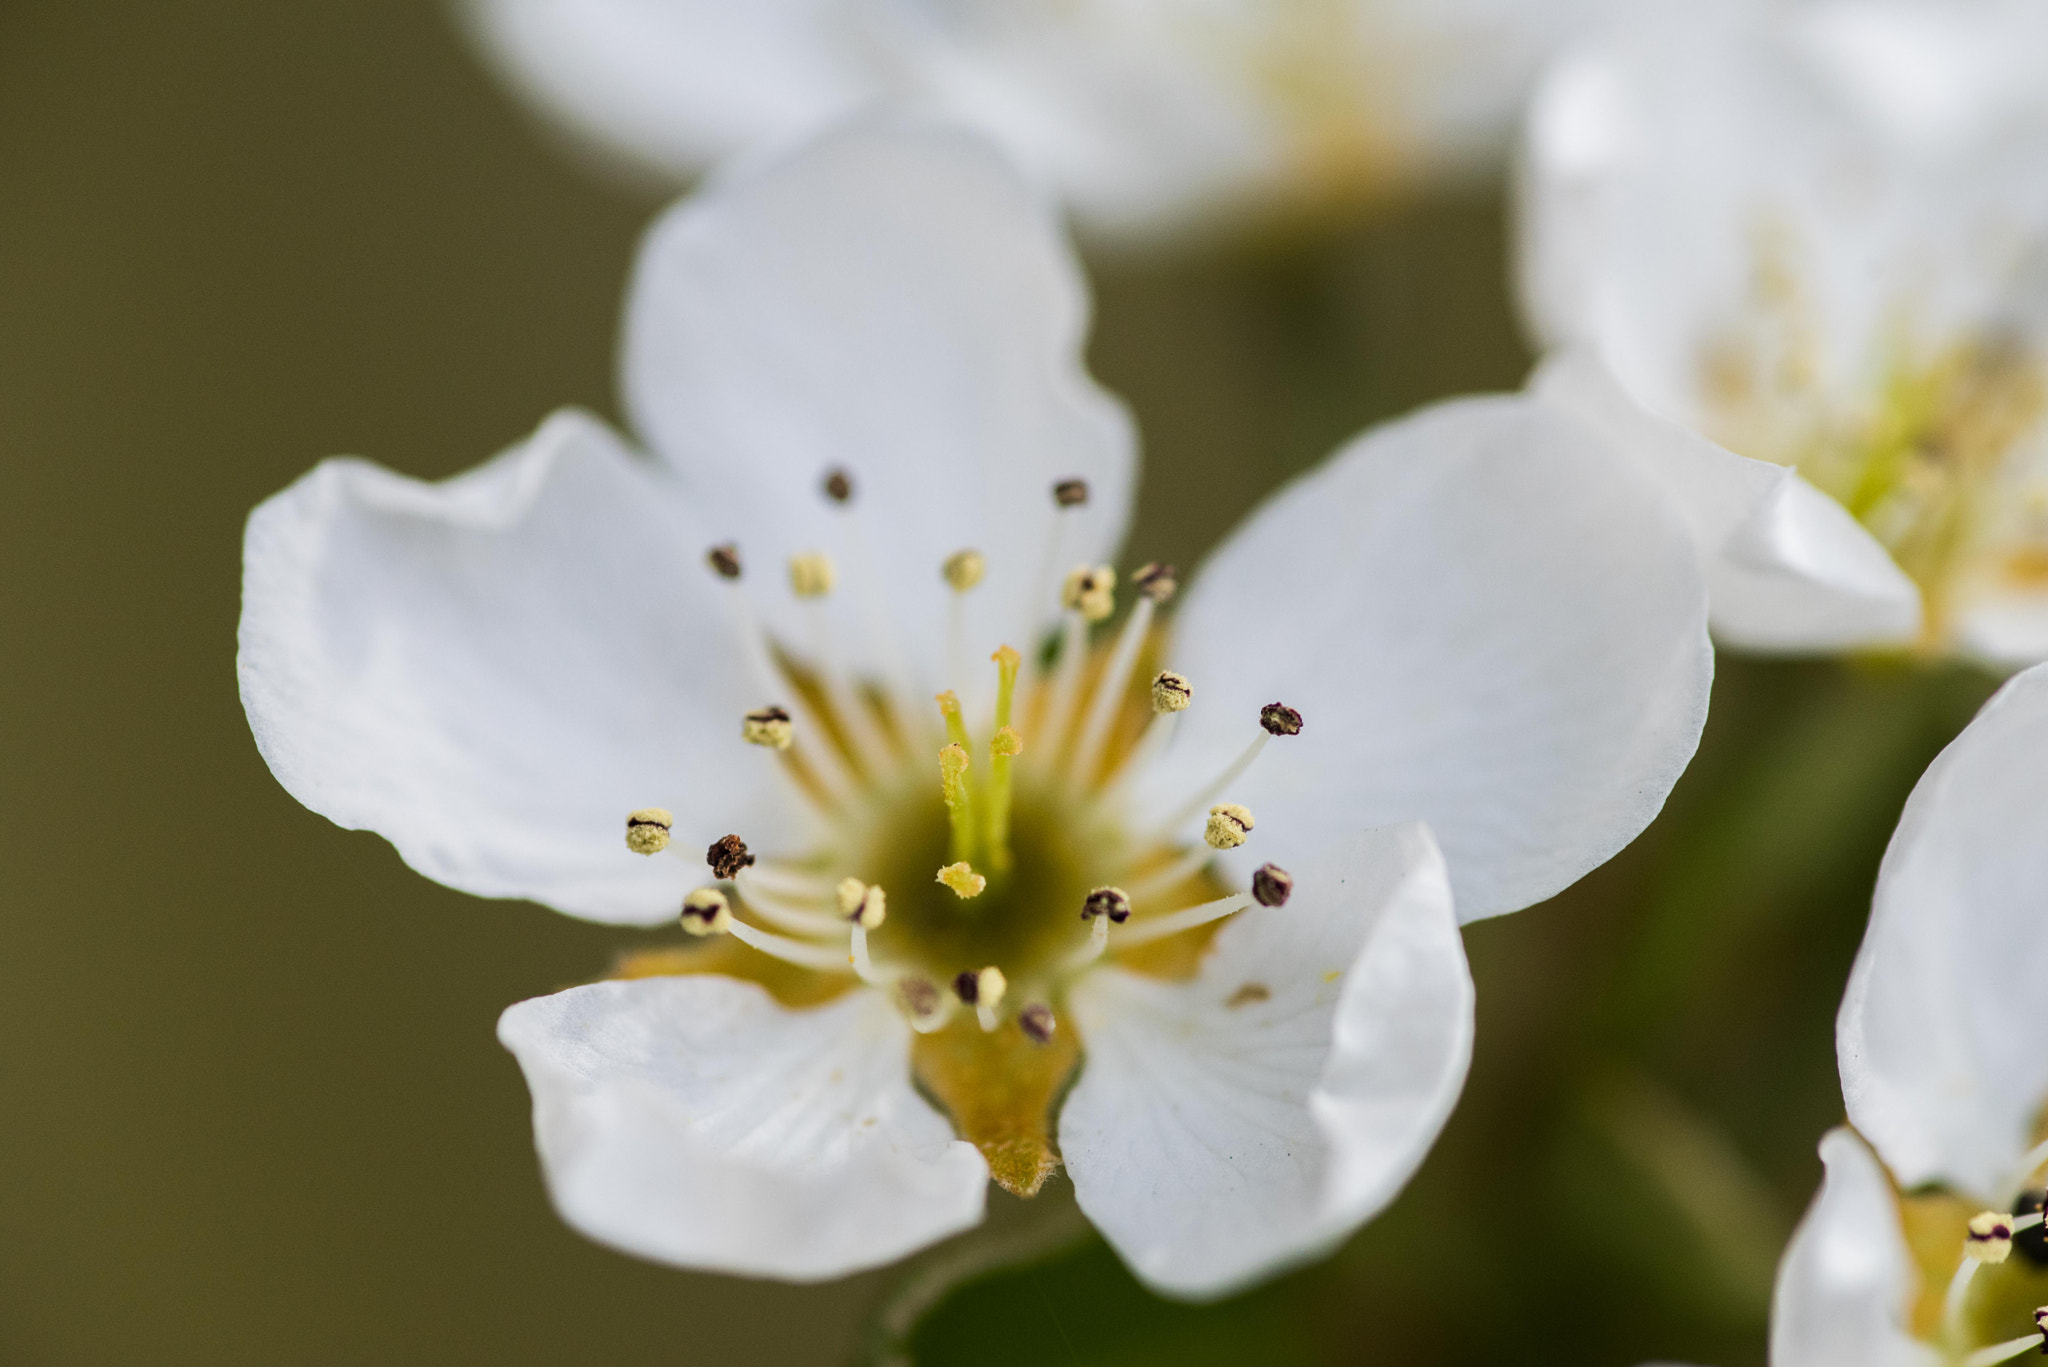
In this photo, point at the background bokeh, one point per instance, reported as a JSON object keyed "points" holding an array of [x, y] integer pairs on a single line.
{"points": [[251, 1108]]}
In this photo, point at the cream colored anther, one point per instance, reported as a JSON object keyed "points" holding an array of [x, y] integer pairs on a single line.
{"points": [[647, 830], [706, 912], [864, 904], [1229, 826], [1090, 591], [1171, 692], [1990, 1238], [770, 726], [964, 569], [811, 574]]}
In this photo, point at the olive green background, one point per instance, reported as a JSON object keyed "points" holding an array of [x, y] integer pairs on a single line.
{"points": [[251, 1107]]}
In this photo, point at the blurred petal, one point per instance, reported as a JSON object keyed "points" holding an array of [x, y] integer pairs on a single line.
{"points": [[1252, 1118], [1787, 567], [1940, 1032], [491, 671], [694, 1121], [1491, 624], [673, 85], [1847, 1278], [893, 300]]}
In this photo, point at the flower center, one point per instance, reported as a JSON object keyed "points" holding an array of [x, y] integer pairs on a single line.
{"points": [[1984, 1273]]}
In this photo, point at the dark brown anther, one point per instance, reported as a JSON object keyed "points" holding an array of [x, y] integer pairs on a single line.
{"points": [[1037, 1023], [838, 485], [1271, 885], [1156, 581], [2031, 1243], [2041, 1323], [967, 986], [1111, 902], [1070, 493], [724, 560], [1280, 720], [727, 856], [920, 996]]}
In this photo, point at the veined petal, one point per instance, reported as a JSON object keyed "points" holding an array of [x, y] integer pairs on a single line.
{"points": [[695, 1121], [1939, 1037], [1787, 567], [1229, 1126], [893, 300], [669, 86], [1847, 1278], [490, 672], [1491, 623]]}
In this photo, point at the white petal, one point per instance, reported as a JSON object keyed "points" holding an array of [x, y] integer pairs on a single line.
{"points": [[1940, 1032], [1213, 1143], [694, 1121], [890, 299], [1847, 1278], [492, 671], [1788, 569], [1490, 624], [672, 85]]}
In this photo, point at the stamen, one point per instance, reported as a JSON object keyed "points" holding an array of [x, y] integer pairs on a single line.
{"points": [[1278, 719], [1037, 1023], [727, 856], [1174, 922], [1171, 692], [1271, 885], [2011, 1348], [823, 958], [706, 912], [926, 1007], [1090, 592], [1230, 825], [864, 904], [1003, 750], [811, 574], [1990, 1238], [1156, 581], [1173, 875], [647, 830], [1110, 689], [984, 992], [963, 880], [1070, 493], [1286, 716], [822, 762], [1113, 903], [724, 560], [795, 917], [959, 806], [769, 726], [863, 965], [838, 485], [964, 569]]}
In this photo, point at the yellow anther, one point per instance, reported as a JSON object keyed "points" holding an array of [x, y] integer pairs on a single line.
{"points": [[1990, 1237], [769, 726], [1229, 826], [811, 574], [962, 879], [1006, 743], [1171, 692], [706, 912], [864, 904], [647, 830], [964, 569], [1090, 592]]}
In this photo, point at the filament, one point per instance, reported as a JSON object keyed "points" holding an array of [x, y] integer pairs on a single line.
{"points": [[1214, 789], [824, 958], [1110, 689], [1174, 922]]}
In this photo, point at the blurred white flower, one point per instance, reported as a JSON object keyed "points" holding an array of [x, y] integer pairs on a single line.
{"points": [[1943, 1046], [863, 363], [1817, 234], [1140, 114]]}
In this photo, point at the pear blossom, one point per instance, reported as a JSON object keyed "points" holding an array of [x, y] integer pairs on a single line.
{"points": [[1816, 236], [990, 882], [1141, 115], [1943, 1046]]}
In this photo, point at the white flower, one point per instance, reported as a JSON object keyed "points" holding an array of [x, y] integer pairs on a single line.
{"points": [[1141, 115], [858, 362], [1817, 235], [1943, 1046]]}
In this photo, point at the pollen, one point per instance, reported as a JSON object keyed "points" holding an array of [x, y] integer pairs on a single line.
{"points": [[1114, 903], [1229, 826], [1271, 885], [964, 569], [647, 830], [1070, 493], [1280, 720], [770, 726], [864, 904], [811, 574], [727, 856], [706, 912], [724, 560], [1090, 592], [1990, 1238], [1171, 692], [1156, 581], [962, 879]]}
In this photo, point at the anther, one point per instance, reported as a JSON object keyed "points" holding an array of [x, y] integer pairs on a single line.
{"points": [[1156, 581], [811, 574], [1037, 1023], [1090, 592], [838, 485], [647, 830], [964, 569], [1990, 1237], [727, 856], [1271, 885], [1070, 493], [2041, 1323], [724, 560], [706, 912], [984, 988], [864, 904], [962, 879], [1280, 719], [769, 726], [1171, 692], [1114, 903], [1229, 826], [920, 997]]}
